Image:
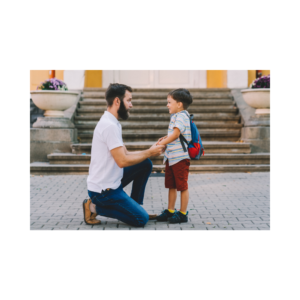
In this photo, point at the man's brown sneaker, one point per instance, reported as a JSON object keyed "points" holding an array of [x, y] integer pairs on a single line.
{"points": [[152, 217], [93, 216], [88, 217]]}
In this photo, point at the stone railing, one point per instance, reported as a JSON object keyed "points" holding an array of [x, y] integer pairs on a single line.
{"points": [[256, 129], [55, 136]]}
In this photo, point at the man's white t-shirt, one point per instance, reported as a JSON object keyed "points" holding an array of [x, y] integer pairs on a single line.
{"points": [[104, 172]]}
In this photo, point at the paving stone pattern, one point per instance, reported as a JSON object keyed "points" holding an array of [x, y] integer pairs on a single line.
{"points": [[226, 201]]}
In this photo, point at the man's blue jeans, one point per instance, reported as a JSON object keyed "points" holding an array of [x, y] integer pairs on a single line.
{"points": [[117, 204]]}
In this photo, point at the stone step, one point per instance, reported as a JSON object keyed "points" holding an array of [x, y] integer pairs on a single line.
{"points": [[42, 168], [228, 118], [162, 95], [86, 139], [226, 159], [147, 110], [147, 132], [196, 169], [207, 159], [167, 90], [84, 125], [158, 103], [210, 147], [138, 135]]}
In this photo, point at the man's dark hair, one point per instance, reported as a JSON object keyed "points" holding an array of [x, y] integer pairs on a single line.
{"points": [[116, 90], [182, 95]]}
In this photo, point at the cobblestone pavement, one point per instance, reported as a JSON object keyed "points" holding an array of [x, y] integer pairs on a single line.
{"points": [[226, 201]]}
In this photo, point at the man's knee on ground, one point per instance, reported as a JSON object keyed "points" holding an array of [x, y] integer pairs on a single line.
{"points": [[141, 221]]}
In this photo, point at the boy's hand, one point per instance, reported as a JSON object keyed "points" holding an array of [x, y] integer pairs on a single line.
{"points": [[170, 138], [161, 139]]}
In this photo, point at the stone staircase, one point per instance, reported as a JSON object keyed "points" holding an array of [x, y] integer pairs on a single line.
{"points": [[215, 115]]}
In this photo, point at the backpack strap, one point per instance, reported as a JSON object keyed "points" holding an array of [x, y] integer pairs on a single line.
{"points": [[191, 116], [182, 141], [185, 113], [181, 137]]}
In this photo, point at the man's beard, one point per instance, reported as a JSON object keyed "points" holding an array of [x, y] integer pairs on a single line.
{"points": [[123, 113]]}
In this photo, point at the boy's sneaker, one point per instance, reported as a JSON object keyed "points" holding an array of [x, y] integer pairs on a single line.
{"points": [[178, 217], [165, 216]]}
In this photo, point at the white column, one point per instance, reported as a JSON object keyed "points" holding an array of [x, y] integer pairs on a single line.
{"points": [[237, 79], [108, 77], [202, 80], [74, 79], [156, 79]]}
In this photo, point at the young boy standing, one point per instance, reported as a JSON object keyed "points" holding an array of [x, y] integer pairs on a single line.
{"points": [[177, 161]]}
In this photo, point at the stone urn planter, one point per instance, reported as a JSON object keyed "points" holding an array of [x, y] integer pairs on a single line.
{"points": [[53, 102], [259, 99]]}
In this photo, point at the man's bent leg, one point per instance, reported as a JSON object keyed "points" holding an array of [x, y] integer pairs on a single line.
{"points": [[139, 174], [119, 215], [117, 204]]}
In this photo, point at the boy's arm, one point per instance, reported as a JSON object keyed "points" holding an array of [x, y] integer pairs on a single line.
{"points": [[164, 137], [175, 135]]}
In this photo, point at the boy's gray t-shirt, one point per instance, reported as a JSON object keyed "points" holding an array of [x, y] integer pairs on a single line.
{"points": [[174, 152]]}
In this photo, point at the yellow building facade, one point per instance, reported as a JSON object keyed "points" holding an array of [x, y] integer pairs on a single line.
{"points": [[190, 79]]}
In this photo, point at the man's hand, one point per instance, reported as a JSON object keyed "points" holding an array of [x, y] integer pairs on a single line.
{"points": [[157, 150], [124, 160]]}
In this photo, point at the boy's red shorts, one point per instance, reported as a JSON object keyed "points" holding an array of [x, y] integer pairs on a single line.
{"points": [[176, 176]]}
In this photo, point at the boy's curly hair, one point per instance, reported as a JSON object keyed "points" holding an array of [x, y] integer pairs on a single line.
{"points": [[183, 96]]}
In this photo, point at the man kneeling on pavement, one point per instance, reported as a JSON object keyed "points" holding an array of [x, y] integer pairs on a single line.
{"points": [[112, 167]]}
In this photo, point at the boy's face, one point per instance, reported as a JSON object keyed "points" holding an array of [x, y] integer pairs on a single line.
{"points": [[174, 106]]}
